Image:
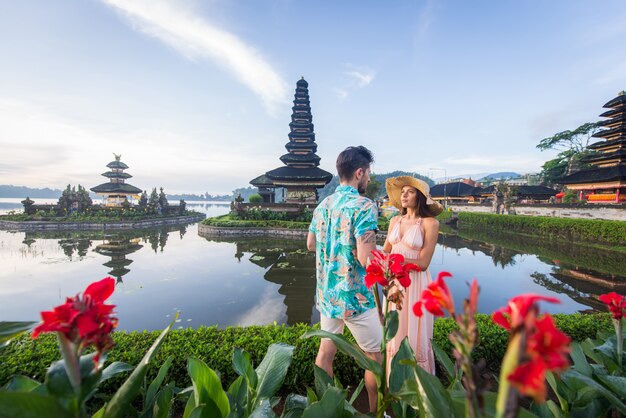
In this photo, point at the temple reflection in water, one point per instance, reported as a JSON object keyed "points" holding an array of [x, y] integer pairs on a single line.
{"points": [[289, 265], [118, 247]]}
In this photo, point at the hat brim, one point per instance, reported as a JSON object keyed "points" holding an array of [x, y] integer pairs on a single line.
{"points": [[394, 187]]}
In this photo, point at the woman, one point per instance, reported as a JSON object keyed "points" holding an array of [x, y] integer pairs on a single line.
{"points": [[413, 233]]}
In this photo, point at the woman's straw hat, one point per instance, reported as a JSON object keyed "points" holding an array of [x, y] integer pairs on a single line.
{"points": [[394, 187]]}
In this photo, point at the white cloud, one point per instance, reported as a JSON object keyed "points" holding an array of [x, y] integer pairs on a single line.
{"points": [[341, 94], [196, 38], [363, 78], [357, 77]]}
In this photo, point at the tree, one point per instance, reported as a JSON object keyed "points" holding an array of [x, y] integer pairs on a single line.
{"points": [[143, 200], [153, 201], [163, 199], [576, 140], [373, 188], [574, 149]]}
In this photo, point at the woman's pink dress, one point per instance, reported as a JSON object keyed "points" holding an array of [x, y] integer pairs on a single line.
{"points": [[419, 330]]}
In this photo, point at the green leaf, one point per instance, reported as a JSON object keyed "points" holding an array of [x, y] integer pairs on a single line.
{"points": [[399, 370], [208, 410], [357, 392], [130, 388], [391, 325], [272, 370], [114, 369], [311, 396], [237, 396], [565, 395], [580, 361], [295, 402], [243, 367], [592, 384], [617, 384], [30, 405], [322, 380], [21, 384], [207, 386], [263, 410], [331, 405], [348, 348], [156, 383], [434, 398], [163, 403], [10, 330], [445, 361]]}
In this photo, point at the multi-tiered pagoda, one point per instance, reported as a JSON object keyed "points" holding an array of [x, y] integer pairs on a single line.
{"points": [[301, 176], [606, 181], [116, 190]]}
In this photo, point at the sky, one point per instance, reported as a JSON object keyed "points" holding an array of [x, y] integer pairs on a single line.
{"points": [[196, 95]]}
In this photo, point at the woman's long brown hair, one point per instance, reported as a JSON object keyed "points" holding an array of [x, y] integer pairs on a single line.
{"points": [[422, 208]]}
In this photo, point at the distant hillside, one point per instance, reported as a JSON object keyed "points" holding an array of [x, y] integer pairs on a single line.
{"points": [[502, 175], [380, 177], [22, 192], [206, 196]]}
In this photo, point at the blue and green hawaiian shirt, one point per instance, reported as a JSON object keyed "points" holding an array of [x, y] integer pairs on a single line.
{"points": [[337, 222]]}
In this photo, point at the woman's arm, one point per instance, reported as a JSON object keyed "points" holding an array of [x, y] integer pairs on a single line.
{"points": [[392, 223], [431, 232]]}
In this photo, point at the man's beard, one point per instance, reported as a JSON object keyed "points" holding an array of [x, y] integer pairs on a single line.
{"points": [[362, 187]]}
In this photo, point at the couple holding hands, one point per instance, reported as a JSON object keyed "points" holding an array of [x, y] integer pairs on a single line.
{"points": [[343, 235]]}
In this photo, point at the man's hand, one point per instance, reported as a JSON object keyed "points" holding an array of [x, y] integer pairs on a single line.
{"points": [[311, 242], [365, 244]]}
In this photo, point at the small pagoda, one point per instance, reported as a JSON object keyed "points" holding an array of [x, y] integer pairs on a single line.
{"points": [[300, 176], [605, 182], [116, 191]]}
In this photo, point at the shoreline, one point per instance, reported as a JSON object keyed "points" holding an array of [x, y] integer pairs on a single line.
{"points": [[21, 226]]}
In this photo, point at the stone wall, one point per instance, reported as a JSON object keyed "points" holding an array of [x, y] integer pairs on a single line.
{"points": [[212, 231], [206, 230], [63, 226], [608, 212]]}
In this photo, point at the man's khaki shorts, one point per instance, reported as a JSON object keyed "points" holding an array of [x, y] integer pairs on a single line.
{"points": [[366, 329]]}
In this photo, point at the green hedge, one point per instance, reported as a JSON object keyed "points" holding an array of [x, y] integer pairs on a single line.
{"points": [[226, 221], [215, 346], [582, 230]]}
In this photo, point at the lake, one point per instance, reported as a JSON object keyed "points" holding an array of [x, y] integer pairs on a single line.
{"points": [[245, 281]]}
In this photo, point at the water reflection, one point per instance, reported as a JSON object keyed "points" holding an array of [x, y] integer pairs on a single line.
{"points": [[118, 247], [288, 264], [114, 244], [244, 281], [581, 273]]}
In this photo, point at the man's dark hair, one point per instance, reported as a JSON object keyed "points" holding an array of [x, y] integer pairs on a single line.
{"points": [[351, 159]]}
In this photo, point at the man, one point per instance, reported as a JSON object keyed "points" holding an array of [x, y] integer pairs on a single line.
{"points": [[343, 235]]}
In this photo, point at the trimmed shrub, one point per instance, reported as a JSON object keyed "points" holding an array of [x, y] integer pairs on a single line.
{"points": [[589, 230], [228, 221], [215, 346], [255, 198]]}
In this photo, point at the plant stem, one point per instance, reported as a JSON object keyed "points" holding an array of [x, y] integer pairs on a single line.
{"points": [[382, 389], [506, 393], [71, 361], [620, 341]]}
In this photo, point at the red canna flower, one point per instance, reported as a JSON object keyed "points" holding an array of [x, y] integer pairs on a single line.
{"points": [[548, 344], [374, 273], [530, 380], [616, 304], [436, 297], [518, 309], [385, 268], [542, 346], [84, 320]]}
